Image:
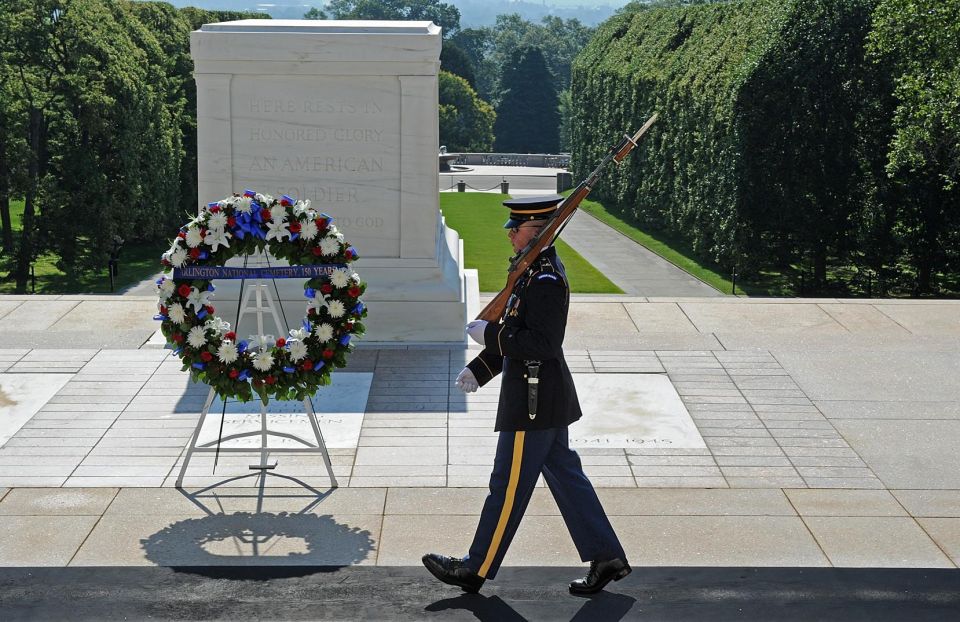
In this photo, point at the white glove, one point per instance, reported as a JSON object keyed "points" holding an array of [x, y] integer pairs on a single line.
{"points": [[467, 382], [476, 329]]}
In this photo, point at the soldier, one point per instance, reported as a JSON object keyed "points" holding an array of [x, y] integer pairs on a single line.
{"points": [[537, 402]]}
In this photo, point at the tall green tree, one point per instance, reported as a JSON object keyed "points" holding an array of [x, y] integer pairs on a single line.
{"points": [[920, 41], [528, 117], [491, 48], [466, 121], [456, 61], [447, 16]]}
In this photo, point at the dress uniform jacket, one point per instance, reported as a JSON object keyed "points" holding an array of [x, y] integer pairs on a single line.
{"points": [[531, 329]]}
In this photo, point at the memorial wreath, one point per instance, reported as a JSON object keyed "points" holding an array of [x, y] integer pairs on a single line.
{"points": [[286, 368]]}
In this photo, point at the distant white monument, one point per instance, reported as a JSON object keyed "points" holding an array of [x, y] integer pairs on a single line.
{"points": [[343, 113]]}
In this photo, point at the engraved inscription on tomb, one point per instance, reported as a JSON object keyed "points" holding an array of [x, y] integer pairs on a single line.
{"points": [[332, 140]]}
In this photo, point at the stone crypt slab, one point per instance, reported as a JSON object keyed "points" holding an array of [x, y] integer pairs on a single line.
{"points": [[22, 395], [339, 407], [345, 114], [632, 410]]}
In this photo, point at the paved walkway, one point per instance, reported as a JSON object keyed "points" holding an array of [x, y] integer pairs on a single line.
{"points": [[636, 270], [830, 430]]}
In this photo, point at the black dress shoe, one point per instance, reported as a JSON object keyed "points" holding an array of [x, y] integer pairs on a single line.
{"points": [[599, 575], [451, 570]]}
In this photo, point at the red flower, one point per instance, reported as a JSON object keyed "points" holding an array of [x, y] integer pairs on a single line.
{"points": [[270, 380], [257, 382], [194, 253], [231, 222], [184, 290], [232, 336], [265, 214], [311, 312], [214, 209], [163, 310], [181, 235], [234, 373], [165, 263], [206, 357], [354, 291], [307, 365], [210, 309], [321, 222], [177, 337], [326, 288], [281, 342], [328, 354], [316, 251], [203, 232], [295, 226]]}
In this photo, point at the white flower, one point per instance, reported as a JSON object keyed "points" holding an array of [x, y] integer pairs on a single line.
{"points": [[339, 236], [308, 230], [166, 289], [301, 207], [316, 303], [355, 278], [224, 203], [335, 308], [217, 239], [340, 278], [264, 342], [242, 204], [264, 361], [227, 353], [323, 332], [218, 221], [298, 334], [218, 325], [263, 199], [178, 257], [298, 351], [277, 229], [198, 299], [197, 337], [329, 246], [193, 237], [176, 314]]}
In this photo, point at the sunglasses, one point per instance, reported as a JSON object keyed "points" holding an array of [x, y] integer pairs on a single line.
{"points": [[516, 230]]}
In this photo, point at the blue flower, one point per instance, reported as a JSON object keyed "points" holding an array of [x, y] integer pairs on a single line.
{"points": [[318, 366], [344, 340], [200, 365], [310, 293], [289, 369]]}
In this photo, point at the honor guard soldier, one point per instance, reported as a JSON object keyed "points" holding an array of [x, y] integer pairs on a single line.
{"points": [[538, 401]]}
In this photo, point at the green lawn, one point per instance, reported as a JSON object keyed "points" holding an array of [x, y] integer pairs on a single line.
{"points": [[138, 261], [478, 217]]}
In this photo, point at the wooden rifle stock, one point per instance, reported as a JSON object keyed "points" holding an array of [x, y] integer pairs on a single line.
{"points": [[548, 235]]}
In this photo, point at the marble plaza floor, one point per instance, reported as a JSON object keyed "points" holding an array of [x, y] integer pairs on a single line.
{"points": [[796, 433]]}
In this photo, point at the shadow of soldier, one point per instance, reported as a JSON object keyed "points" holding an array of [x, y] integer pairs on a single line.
{"points": [[301, 543], [605, 606]]}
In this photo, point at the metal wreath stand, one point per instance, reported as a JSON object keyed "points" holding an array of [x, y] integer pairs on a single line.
{"points": [[264, 302]]}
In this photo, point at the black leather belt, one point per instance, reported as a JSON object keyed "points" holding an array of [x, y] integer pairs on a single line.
{"points": [[533, 385]]}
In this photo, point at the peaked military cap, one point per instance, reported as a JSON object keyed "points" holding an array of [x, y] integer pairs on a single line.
{"points": [[525, 209]]}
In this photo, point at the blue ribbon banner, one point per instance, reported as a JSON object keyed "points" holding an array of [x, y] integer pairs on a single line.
{"points": [[208, 273]]}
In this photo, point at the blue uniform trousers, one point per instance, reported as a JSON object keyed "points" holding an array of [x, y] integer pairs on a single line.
{"points": [[521, 458]]}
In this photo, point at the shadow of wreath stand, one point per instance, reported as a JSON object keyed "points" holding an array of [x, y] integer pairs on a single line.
{"points": [[294, 543]]}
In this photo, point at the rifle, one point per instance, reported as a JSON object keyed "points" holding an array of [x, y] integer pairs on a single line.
{"points": [[551, 231]]}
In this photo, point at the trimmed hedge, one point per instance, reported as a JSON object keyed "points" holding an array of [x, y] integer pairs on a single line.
{"points": [[757, 157]]}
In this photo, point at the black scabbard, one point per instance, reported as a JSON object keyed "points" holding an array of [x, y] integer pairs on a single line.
{"points": [[533, 386]]}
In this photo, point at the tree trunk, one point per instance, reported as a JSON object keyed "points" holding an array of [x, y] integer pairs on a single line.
{"points": [[7, 224], [820, 267], [25, 254]]}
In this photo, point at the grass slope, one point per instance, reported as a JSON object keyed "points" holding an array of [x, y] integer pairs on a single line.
{"points": [[138, 261], [478, 217]]}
